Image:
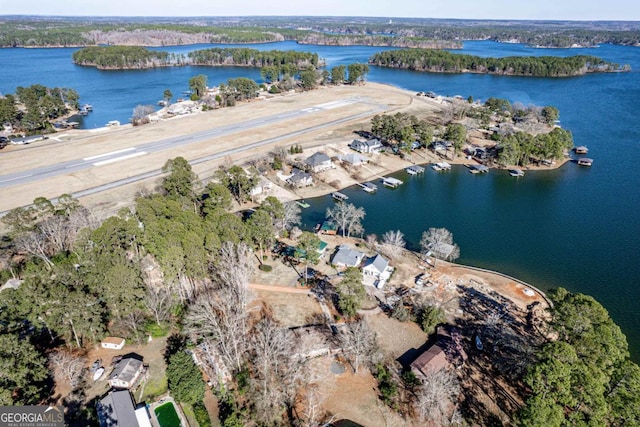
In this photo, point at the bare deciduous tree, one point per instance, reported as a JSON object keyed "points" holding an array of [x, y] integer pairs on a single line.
{"points": [[219, 313], [348, 218], [358, 342], [291, 216], [34, 243], [439, 242], [158, 301], [436, 398], [141, 113], [392, 244], [68, 366]]}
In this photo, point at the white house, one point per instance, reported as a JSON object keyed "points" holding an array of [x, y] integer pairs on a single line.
{"points": [[377, 271], [371, 146], [113, 343], [353, 159], [300, 179], [126, 373]]}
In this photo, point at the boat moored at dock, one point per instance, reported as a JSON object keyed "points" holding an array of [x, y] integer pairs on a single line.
{"points": [[585, 162], [516, 172], [369, 187]]}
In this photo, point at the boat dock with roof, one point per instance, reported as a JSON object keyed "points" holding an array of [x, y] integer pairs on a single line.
{"points": [[415, 170], [339, 196], [391, 182], [368, 187]]}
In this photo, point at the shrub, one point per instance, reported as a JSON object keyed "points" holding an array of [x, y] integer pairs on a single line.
{"points": [[201, 414]]}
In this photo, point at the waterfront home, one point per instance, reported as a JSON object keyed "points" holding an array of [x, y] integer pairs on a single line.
{"points": [[319, 162], [126, 372], [353, 159], [117, 409], [371, 146], [347, 257], [300, 179], [439, 146], [376, 271]]}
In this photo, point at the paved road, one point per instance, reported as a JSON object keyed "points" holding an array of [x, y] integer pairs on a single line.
{"points": [[68, 167]]}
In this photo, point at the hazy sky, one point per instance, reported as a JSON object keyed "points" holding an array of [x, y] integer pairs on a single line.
{"points": [[628, 10]]}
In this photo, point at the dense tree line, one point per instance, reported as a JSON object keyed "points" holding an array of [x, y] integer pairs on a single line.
{"points": [[401, 129], [253, 57], [522, 148], [439, 61], [402, 32], [585, 377], [31, 109]]}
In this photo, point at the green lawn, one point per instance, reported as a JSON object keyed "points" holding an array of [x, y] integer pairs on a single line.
{"points": [[167, 415]]}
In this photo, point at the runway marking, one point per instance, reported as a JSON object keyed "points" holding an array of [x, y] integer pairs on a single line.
{"points": [[73, 165], [17, 177], [86, 159], [335, 104], [117, 159]]}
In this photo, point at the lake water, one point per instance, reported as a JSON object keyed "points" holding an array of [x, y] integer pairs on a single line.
{"points": [[573, 227]]}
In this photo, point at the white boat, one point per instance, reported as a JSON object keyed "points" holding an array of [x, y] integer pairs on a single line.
{"points": [[87, 107], [113, 123], [516, 172], [98, 373]]}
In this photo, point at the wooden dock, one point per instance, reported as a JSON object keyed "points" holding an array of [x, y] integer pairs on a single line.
{"points": [[415, 170], [340, 197]]}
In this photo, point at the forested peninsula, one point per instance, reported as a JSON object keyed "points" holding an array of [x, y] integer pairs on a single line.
{"points": [[439, 61], [136, 57]]}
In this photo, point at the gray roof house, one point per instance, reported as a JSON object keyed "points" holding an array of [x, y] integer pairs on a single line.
{"points": [[117, 409], [300, 179], [318, 162], [126, 373], [372, 145], [347, 257]]}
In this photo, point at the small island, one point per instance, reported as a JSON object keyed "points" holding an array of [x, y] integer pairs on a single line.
{"points": [[439, 61], [136, 57]]}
